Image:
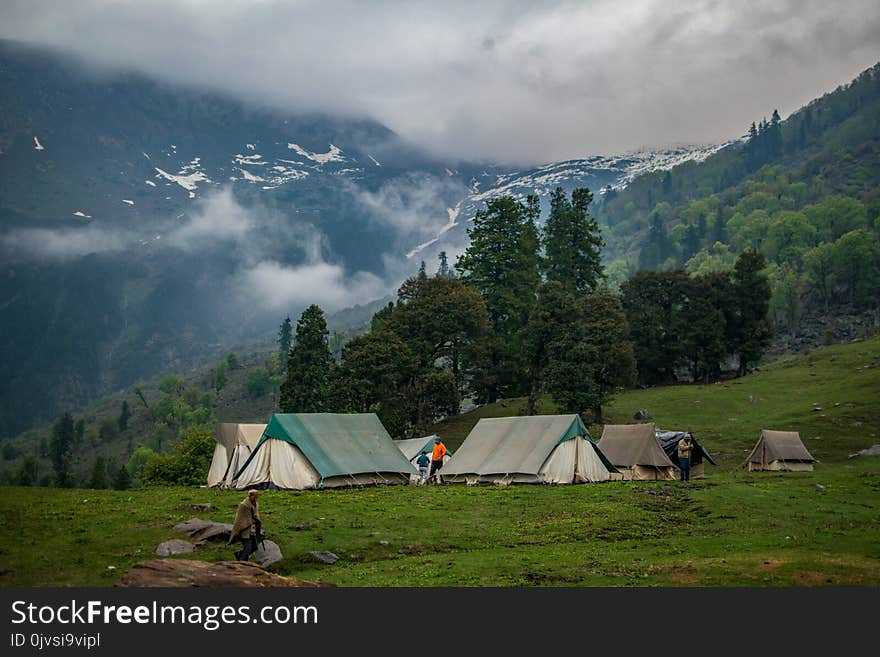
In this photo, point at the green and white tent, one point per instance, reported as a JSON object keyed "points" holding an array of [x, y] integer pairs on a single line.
{"points": [[540, 449], [324, 450]]}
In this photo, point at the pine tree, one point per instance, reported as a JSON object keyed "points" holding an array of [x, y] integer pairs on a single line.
{"points": [[122, 480], [501, 262], [99, 474], [572, 243], [285, 336], [308, 367], [63, 436], [551, 321], [124, 416], [751, 298], [443, 269]]}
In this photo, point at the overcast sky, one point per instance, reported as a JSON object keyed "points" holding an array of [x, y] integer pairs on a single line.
{"points": [[508, 81]]}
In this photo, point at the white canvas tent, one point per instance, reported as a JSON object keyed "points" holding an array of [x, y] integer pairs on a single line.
{"points": [[635, 452], [781, 451], [234, 442], [540, 449]]}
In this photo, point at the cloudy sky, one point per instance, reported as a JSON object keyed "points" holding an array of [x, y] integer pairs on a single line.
{"points": [[509, 81]]}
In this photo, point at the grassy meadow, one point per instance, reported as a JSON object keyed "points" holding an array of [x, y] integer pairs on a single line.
{"points": [[732, 528]]}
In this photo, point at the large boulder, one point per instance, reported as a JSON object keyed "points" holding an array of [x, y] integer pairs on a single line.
{"points": [[178, 573], [204, 530], [267, 553]]}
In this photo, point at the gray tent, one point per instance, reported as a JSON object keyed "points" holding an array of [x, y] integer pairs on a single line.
{"points": [[780, 450], [699, 456], [635, 452], [553, 449]]}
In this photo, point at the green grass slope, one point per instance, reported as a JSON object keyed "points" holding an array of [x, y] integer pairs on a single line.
{"points": [[733, 528], [842, 381]]}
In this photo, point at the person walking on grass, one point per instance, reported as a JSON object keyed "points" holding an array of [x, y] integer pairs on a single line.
{"points": [[437, 455], [246, 526], [685, 447], [423, 461]]}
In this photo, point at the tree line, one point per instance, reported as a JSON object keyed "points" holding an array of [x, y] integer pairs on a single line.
{"points": [[525, 312]]}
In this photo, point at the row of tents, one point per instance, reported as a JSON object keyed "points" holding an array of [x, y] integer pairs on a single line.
{"points": [[328, 450]]}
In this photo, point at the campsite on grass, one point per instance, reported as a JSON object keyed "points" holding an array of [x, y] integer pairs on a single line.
{"points": [[735, 526]]}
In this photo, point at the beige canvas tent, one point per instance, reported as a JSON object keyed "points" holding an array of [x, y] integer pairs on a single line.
{"points": [[635, 452], [541, 449], [324, 450], [780, 450], [234, 443]]}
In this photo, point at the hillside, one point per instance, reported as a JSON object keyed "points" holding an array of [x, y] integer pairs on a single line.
{"points": [[803, 191], [147, 227], [830, 396]]}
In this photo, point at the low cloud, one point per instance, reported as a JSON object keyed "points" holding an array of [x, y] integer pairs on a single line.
{"points": [[277, 287], [218, 218], [63, 244], [416, 207]]}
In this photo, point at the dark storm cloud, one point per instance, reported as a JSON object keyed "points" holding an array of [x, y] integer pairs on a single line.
{"points": [[506, 81]]}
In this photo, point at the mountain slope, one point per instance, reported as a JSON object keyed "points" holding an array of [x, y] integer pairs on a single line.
{"points": [[146, 227]]}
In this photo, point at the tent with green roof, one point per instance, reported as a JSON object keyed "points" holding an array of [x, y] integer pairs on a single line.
{"points": [[324, 450], [540, 449]]}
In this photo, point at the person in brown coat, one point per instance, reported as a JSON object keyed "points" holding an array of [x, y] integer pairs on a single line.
{"points": [[244, 527], [685, 447]]}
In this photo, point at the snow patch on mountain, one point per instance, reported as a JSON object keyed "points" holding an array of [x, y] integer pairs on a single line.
{"points": [[81, 214], [128, 201], [333, 155], [375, 161], [188, 177], [37, 145]]}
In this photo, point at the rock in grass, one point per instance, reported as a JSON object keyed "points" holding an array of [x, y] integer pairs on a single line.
{"points": [[873, 450], [268, 553], [204, 530], [174, 546], [192, 573], [323, 555]]}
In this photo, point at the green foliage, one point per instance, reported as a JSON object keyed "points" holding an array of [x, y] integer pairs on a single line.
{"points": [[285, 339], [218, 378], [124, 416], [136, 464], [232, 361], [501, 263], [187, 464], [60, 446], [796, 187], [553, 317], [308, 366], [122, 479], [98, 478], [9, 451], [572, 242], [108, 430], [28, 473]]}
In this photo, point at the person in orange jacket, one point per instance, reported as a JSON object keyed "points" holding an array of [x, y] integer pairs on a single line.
{"points": [[437, 455]]}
